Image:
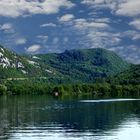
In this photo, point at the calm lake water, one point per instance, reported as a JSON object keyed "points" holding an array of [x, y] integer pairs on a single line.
{"points": [[37, 117]]}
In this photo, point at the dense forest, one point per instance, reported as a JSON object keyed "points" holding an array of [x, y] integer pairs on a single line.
{"points": [[96, 90]]}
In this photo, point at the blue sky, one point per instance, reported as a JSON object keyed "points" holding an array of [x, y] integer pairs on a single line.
{"points": [[46, 26]]}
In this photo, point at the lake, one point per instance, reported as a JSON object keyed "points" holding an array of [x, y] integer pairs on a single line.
{"points": [[45, 118]]}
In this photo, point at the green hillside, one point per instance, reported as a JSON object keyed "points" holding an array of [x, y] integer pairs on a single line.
{"points": [[13, 65], [130, 76], [82, 65]]}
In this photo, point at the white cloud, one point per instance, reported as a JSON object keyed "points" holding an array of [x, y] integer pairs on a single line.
{"points": [[111, 4], [48, 25], [119, 7], [132, 34], [15, 8], [83, 23], [33, 49], [66, 18], [94, 32], [102, 39], [21, 41], [7, 28], [106, 20], [136, 37], [92, 2], [43, 38], [135, 23], [129, 8]]}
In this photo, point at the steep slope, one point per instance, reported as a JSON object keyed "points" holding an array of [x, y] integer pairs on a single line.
{"points": [[13, 65], [83, 65], [130, 76]]}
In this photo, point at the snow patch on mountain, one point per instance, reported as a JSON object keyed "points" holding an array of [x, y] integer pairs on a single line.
{"points": [[24, 72], [31, 62], [35, 57], [20, 65], [4, 62]]}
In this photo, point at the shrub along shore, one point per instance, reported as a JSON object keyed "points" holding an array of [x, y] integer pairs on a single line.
{"points": [[97, 90]]}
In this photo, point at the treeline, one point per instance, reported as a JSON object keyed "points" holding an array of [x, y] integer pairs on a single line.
{"points": [[97, 90]]}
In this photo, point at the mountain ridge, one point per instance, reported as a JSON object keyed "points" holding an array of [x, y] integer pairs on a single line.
{"points": [[80, 65], [88, 63]]}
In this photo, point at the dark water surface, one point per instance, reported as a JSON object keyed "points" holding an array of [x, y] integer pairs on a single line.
{"points": [[37, 117]]}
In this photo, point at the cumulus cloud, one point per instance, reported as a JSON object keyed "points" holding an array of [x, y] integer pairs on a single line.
{"points": [[94, 33], [33, 49], [129, 8], [90, 2], [135, 23], [7, 28], [83, 23], [111, 4], [66, 18], [48, 25], [131, 34], [93, 1], [24, 7], [21, 41], [119, 7], [102, 39]]}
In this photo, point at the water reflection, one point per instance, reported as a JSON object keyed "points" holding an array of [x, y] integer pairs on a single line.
{"points": [[39, 117]]}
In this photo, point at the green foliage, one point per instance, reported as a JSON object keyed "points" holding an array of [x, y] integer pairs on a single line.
{"points": [[3, 89], [130, 76], [82, 91], [82, 66]]}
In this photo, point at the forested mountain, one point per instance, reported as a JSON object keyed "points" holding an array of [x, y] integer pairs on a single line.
{"points": [[81, 66]]}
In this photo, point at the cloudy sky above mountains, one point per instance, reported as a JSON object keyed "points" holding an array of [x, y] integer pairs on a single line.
{"points": [[46, 26]]}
